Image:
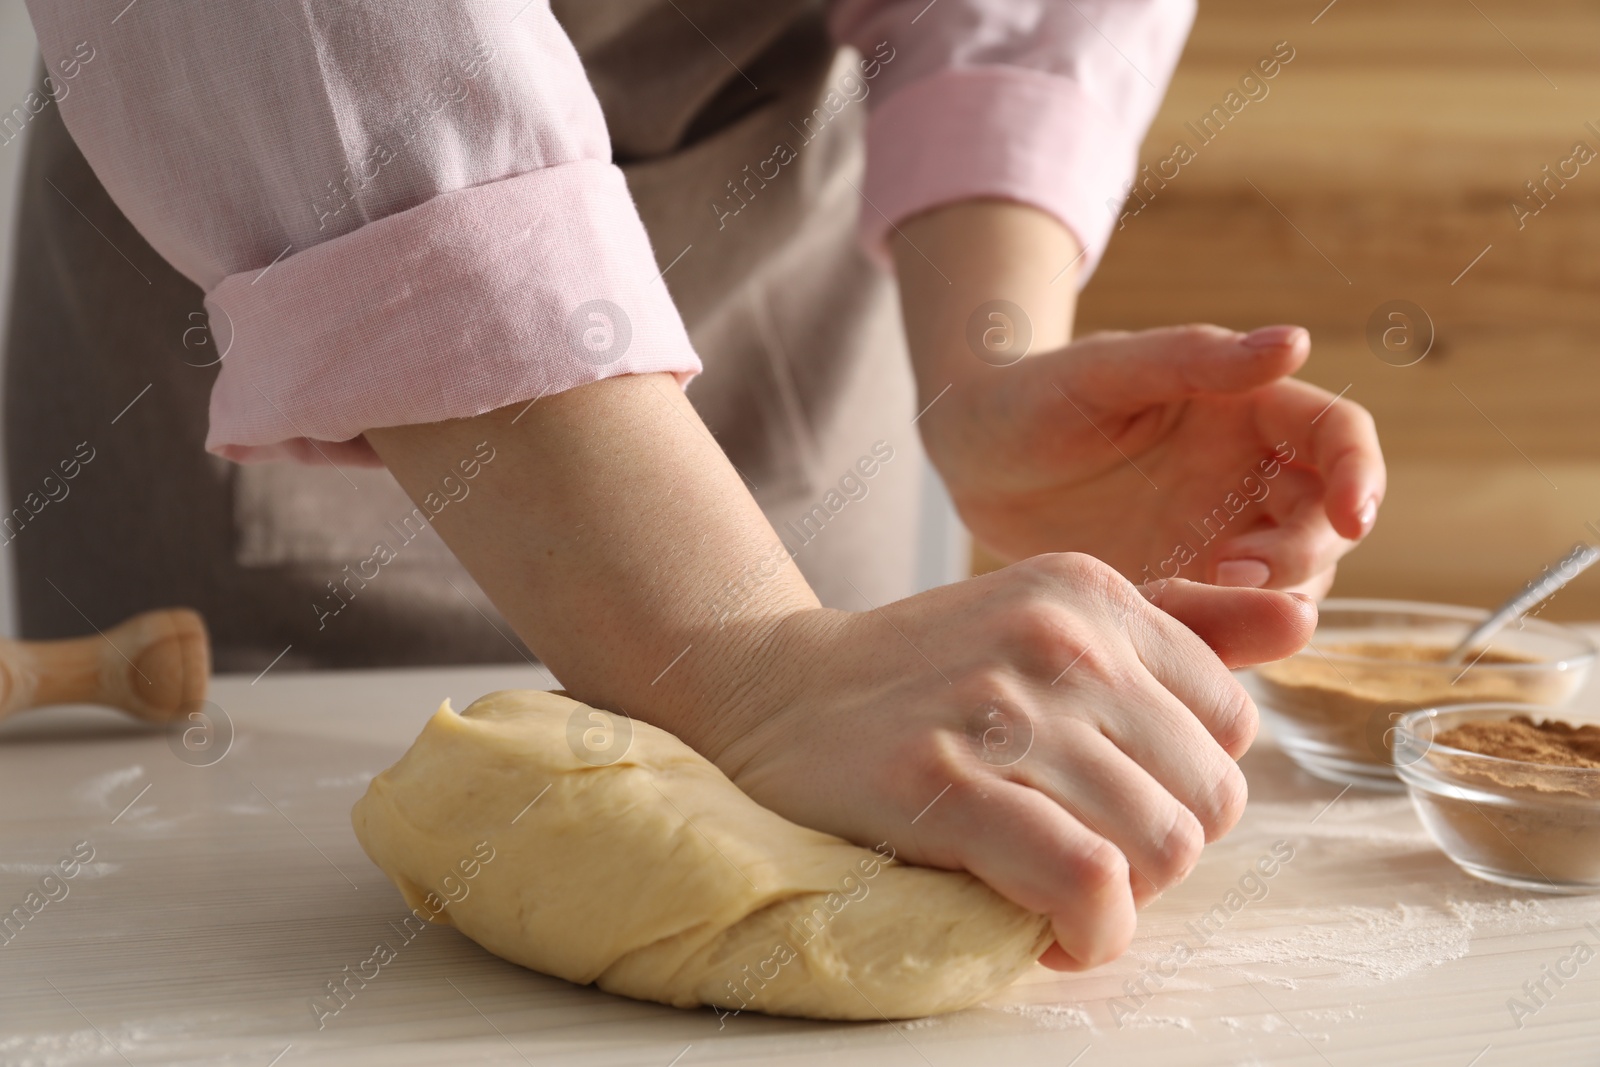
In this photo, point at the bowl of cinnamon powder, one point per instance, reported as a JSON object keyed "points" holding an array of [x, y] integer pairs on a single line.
{"points": [[1511, 793], [1334, 705]]}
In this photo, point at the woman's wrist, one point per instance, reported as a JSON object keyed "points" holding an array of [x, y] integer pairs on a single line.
{"points": [[768, 668], [983, 283]]}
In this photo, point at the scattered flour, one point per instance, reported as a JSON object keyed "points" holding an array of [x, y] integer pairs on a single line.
{"points": [[1501, 916], [246, 809], [116, 790], [345, 781], [1268, 1023], [1273, 1023], [1380, 822], [1152, 1022], [50, 1050], [1358, 945], [39, 870], [99, 789], [71, 1047], [1052, 1016]]}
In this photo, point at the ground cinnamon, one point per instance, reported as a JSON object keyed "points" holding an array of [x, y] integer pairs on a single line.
{"points": [[1548, 757], [1531, 813], [1553, 743], [1349, 698]]}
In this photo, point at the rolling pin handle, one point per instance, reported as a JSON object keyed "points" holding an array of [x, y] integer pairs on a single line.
{"points": [[154, 666]]}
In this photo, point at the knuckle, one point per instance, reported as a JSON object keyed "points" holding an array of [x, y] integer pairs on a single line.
{"points": [[1068, 565], [1045, 566], [1225, 804], [1104, 665], [1180, 850], [937, 783], [1359, 416], [1199, 331], [938, 756], [1034, 626], [1236, 720], [1088, 576], [986, 683], [1099, 869], [1045, 638], [926, 761]]}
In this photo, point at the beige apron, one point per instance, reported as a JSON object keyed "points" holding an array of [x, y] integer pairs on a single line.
{"points": [[805, 371]]}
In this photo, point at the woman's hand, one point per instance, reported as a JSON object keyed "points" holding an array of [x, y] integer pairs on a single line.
{"points": [[1177, 451], [1045, 727], [1185, 451]]}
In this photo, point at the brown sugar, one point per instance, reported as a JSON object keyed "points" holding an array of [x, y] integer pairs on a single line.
{"points": [[1553, 743], [1349, 697]]}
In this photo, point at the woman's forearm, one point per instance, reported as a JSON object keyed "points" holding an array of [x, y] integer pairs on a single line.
{"points": [[955, 260], [618, 540]]}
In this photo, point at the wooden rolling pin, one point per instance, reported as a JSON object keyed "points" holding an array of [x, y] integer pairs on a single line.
{"points": [[153, 666]]}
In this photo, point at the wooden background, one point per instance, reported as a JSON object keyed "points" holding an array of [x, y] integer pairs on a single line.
{"points": [[1395, 141]]}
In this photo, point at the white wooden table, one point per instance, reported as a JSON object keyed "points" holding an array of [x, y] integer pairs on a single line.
{"points": [[221, 898]]}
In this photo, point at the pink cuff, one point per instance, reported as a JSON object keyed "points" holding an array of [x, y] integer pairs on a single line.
{"points": [[999, 132], [472, 301]]}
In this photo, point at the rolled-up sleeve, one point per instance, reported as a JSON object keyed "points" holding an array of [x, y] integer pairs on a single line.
{"points": [[1044, 102], [398, 212]]}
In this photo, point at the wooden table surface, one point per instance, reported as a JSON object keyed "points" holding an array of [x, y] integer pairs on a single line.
{"points": [[220, 899]]}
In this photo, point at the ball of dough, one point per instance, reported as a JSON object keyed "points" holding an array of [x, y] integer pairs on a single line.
{"points": [[655, 877]]}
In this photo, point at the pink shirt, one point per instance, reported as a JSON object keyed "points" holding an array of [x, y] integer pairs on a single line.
{"points": [[360, 272]]}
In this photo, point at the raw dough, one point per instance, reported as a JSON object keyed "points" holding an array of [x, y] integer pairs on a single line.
{"points": [[656, 877]]}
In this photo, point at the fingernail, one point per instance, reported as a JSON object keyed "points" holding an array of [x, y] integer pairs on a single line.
{"points": [[1304, 598], [1368, 515], [1272, 336], [1248, 572]]}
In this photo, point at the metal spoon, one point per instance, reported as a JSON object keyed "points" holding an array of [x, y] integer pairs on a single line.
{"points": [[1541, 588]]}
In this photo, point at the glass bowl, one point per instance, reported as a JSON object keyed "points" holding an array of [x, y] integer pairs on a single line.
{"points": [[1528, 825], [1333, 705]]}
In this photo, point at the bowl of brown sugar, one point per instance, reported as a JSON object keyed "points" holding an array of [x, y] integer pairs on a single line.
{"points": [[1511, 793], [1333, 706]]}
